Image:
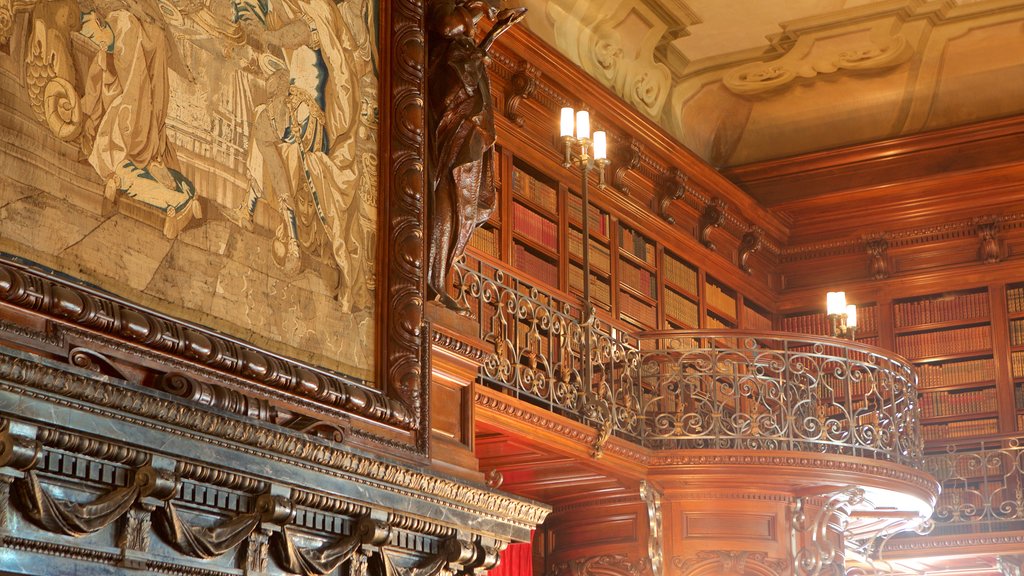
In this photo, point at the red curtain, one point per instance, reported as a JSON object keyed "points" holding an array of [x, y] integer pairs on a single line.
{"points": [[516, 560]]}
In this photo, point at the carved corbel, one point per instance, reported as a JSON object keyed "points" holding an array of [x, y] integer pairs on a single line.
{"points": [[217, 397], [327, 558], [750, 243], [624, 159], [671, 186], [524, 82], [820, 555], [19, 451], [877, 247], [987, 229], [652, 499], [712, 217]]}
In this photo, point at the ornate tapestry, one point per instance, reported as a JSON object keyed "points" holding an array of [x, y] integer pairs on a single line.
{"points": [[215, 160]]}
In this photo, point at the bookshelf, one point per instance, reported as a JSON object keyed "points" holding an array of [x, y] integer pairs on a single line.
{"points": [[948, 337], [720, 304], [755, 317], [817, 322], [637, 279], [1015, 320], [680, 292], [535, 224], [600, 253]]}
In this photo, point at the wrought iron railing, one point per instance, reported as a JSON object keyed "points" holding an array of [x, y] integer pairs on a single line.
{"points": [[982, 488], [693, 389]]}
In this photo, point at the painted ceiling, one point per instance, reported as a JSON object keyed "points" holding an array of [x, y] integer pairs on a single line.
{"points": [[744, 81]]}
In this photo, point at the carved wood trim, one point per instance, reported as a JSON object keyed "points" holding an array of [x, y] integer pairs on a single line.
{"points": [[403, 188], [671, 186], [523, 84], [712, 217]]}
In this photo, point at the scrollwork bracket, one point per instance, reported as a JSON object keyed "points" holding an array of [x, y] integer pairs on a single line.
{"points": [[712, 217], [524, 83], [671, 186]]}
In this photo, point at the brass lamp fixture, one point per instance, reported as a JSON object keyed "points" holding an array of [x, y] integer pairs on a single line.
{"points": [[842, 316], [587, 153]]}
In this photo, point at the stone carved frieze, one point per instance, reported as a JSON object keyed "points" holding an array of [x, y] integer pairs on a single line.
{"points": [[150, 504]]}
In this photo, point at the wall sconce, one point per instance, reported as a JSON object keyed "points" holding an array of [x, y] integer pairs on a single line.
{"points": [[842, 316]]}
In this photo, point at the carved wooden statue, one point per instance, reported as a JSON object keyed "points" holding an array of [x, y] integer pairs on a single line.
{"points": [[460, 118]]}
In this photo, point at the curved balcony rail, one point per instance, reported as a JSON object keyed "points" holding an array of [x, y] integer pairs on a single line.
{"points": [[982, 486], [693, 389]]}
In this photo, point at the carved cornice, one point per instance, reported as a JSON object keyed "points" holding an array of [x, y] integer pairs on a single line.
{"points": [[958, 230], [140, 328], [721, 460], [459, 347], [565, 428], [959, 542], [29, 378]]}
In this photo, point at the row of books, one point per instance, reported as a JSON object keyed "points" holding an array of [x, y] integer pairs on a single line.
{"points": [[680, 274], [1018, 396], [715, 323], [534, 226], [1017, 364], [681, 308], [965, 429], [540, 193], [1017, 332], [955, 373], [600, 293], [636, 310], [535, 265], [599, 223], [956, 403], [941, 309], [945, 342], [636, 244], [968, 467], [638, 279], [485, 241], [1015, 299], [719, 299], [600, 257], [754, 320], [807, 324]]}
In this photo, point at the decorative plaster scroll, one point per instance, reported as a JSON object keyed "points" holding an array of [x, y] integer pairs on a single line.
{"points": [[524, 82], [877, 246], [712, 217], [671, 186], [749, 243], [805, 60]]}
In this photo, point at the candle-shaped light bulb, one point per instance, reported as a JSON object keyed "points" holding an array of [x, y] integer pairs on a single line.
{"points": [[567, 121], [600, 145], [835, 302], [582, 124], [851, 316]]}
